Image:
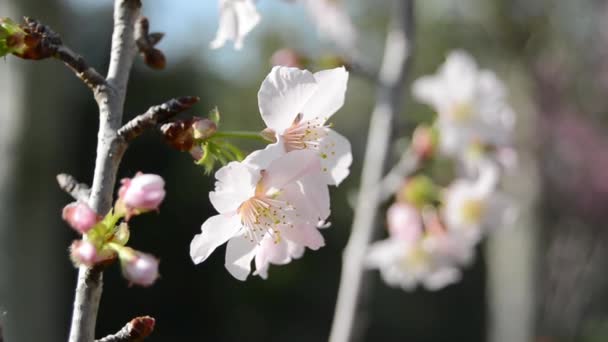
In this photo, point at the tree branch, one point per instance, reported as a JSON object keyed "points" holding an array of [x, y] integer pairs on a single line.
{"points": [[408, 163], [155, 115], [69, 184], [136, 330], [110, 149], [390, 85]]}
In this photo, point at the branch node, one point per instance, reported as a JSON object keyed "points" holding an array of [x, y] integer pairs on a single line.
{"points": [[156, 115], [136, 330], [146, 41], [69, 184]]}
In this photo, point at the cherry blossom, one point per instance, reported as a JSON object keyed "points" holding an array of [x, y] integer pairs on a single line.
{"points": [[295, 105], [332, 22], [269, 210], [471, 104], [473, 206], [417, 254], [237, 18]]}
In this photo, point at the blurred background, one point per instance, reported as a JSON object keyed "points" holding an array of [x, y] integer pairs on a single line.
{"points": [[544, 279]]}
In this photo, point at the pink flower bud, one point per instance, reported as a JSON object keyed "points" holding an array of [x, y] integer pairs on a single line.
{"points": [[203, 128], [141, 269], [83, 253], [143, 192], [80, 216], [286, 57], [425, 141], [404, 222]]}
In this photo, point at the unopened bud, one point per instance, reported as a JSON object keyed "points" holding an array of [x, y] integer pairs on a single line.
{"points": [[83, 253], [139, 268], [286, 57], [203, 128], [197, 153], [142, 193], [419, 191], [425, 141], [12, 37], [178, 134], [155, 59], [80, 217]]}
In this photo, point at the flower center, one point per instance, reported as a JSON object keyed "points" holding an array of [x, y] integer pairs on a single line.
{"points": [[462, 111], [304, 134], [261, 214], [472, 210]]}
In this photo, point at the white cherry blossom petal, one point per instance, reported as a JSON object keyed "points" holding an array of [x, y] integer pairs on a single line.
{"points": [[304, 234], [283, 94], [329, 96], [237, 18], [336, 157], [216, 230], [239, 253], [269, 252], [261, 159], [315, 195], [235, 184], [290, 168]]}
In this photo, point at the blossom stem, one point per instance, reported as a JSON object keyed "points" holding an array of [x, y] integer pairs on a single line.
{"points": [[240, 134]]}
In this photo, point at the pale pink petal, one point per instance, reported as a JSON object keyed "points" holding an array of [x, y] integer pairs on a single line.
{"points": [[261, 159], [329, 96], [295, 251], [336, 157], [290, 168], [216, 230], [304, 234], [315, 194], [235, 184], [404, 222], [239, 253], [271, 251], [283, 95]]}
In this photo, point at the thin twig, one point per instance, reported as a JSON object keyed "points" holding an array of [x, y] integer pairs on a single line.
{"points": [[408, 163], [155, 115], [136, 330], [51, 45], [69, 184], [110, 149], [388, 103]]}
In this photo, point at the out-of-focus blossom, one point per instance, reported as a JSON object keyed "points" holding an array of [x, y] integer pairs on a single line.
{"points": [[139, 268], [80, 216], [268, 208], [142, 193], [287, 58], [295, 105], [332, 22], [472, 207], [404, 222], [471, 104], [412, 256], [237, 18]]}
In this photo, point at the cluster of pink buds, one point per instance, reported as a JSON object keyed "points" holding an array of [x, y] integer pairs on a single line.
{"points": [[104, 239]]}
